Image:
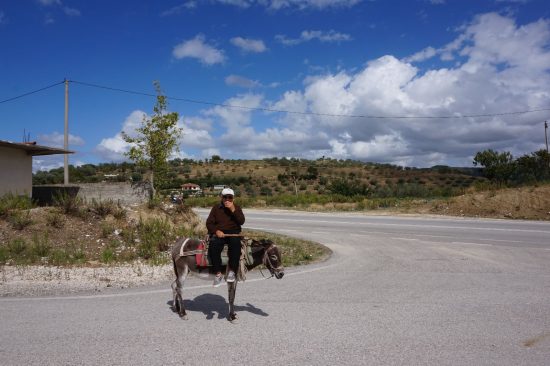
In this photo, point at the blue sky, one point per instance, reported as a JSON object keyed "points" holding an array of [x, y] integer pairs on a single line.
{"points": [[335, 62]]}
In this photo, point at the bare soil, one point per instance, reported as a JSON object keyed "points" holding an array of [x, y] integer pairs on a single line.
{"points": [[529, 203]]}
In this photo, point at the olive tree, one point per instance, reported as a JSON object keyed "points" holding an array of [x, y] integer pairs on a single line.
{"points": [[497, 166], [154, 141]]}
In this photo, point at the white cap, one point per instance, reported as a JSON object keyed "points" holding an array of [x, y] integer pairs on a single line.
{"points": [[227, 191]]}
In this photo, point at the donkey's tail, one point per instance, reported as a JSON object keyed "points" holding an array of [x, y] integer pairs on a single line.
{"points": [[175, 267]]}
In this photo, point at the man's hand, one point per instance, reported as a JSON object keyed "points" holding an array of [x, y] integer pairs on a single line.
{"points": [[229, 204], [220, 234]]}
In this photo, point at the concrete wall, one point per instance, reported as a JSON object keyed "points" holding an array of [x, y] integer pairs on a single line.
{"points": [[15, 172], [124, 192]]}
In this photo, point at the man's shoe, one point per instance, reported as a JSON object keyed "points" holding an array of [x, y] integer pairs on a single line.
{"points": [[218, 281], [231, 276]]}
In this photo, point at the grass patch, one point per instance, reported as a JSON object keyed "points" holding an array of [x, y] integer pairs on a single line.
{"points": [[20, 219], [10, 202], [294, 251]]}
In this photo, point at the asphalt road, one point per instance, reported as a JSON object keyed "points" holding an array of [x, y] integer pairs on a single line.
{"points": [[397, 291]]}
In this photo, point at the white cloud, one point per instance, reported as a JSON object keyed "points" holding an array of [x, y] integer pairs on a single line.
{"points": [[72, 12], [238, 116], [57, 139], [306, 4], [249, 45], [273, 5], [196, 134], [113, 148], [423, 55], [309, 35], [238, 3], [179, 8], [49, 18], [197, 48], [236, 80], [503, 67], [50, 2]]}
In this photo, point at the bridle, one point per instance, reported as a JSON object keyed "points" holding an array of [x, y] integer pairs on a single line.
{"points": [[266, 261]]}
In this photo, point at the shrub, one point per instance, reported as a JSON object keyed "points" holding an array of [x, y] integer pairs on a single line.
{"points": [[153, 203], [69, 204], [10, 202], [59, 257], [102, 208], [40, 247], [20, 219], [56, 220], [108, 255], [155, 235], [106, 229], [17, 247], [119, 212]]}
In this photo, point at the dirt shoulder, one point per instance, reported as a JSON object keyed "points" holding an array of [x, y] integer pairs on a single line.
{"points": [[528, 203]]}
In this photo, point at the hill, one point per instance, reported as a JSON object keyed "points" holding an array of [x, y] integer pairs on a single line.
{"points": [[277, 176]]}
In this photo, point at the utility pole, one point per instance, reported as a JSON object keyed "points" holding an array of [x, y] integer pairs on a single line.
{"points": [[545, 135], [66, 137]]}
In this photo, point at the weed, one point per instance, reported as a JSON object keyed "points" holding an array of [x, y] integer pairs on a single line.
{"points": [[102, 208], [79, 255], [55, 219], [4, 255], [106, 229], [69, 204], [17, 247], [119, 212], [10, 202], [108, 255], [40, 247], [155, 235], [59, 257], [153, 203], [20, 219]]}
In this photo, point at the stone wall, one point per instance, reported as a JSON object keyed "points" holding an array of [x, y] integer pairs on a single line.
{"points": [[124, 192]]}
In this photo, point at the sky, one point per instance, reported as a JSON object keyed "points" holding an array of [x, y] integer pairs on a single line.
{"points": [[413, 83]]}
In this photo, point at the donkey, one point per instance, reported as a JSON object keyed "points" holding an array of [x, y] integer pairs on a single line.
{"points": [[184, 258]]}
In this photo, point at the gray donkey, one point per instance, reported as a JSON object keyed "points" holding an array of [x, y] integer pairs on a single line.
{"points": [[254, 253]]}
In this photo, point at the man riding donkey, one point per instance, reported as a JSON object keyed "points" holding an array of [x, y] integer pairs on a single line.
{"points": [[223, 224]]}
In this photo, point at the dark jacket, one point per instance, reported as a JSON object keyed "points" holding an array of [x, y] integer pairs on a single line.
{"points": [[221, 218]]}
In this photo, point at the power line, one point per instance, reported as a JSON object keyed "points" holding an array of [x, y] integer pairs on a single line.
{"points": [[31, 92], [311, 113], [194, 101]]}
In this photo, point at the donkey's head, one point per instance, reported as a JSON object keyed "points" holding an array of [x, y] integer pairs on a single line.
{"points": [[270, 256]]}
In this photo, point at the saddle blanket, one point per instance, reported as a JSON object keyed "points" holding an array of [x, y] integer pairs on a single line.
{"points": [[201, 254]]}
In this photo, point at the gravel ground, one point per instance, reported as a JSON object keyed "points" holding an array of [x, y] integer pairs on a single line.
{"points": [[48, 280]]}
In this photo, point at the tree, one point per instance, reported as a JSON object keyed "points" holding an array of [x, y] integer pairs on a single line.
{"points": [[498, 166], [156, 139], [532, 168]]}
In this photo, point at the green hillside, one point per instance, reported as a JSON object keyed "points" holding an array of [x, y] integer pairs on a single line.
{"points": [[281, 176]]}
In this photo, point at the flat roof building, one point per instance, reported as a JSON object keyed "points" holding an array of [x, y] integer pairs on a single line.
{"points": [[16, 165]]}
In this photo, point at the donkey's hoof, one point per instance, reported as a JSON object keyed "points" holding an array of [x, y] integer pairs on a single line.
{"points": [[233, 318], [184, 317]]}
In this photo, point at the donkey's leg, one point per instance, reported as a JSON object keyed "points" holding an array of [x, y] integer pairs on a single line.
{"points": [[232, 289], [180, 280]]}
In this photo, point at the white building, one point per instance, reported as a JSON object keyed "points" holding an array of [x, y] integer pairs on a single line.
{"points": [[16, 165]]}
